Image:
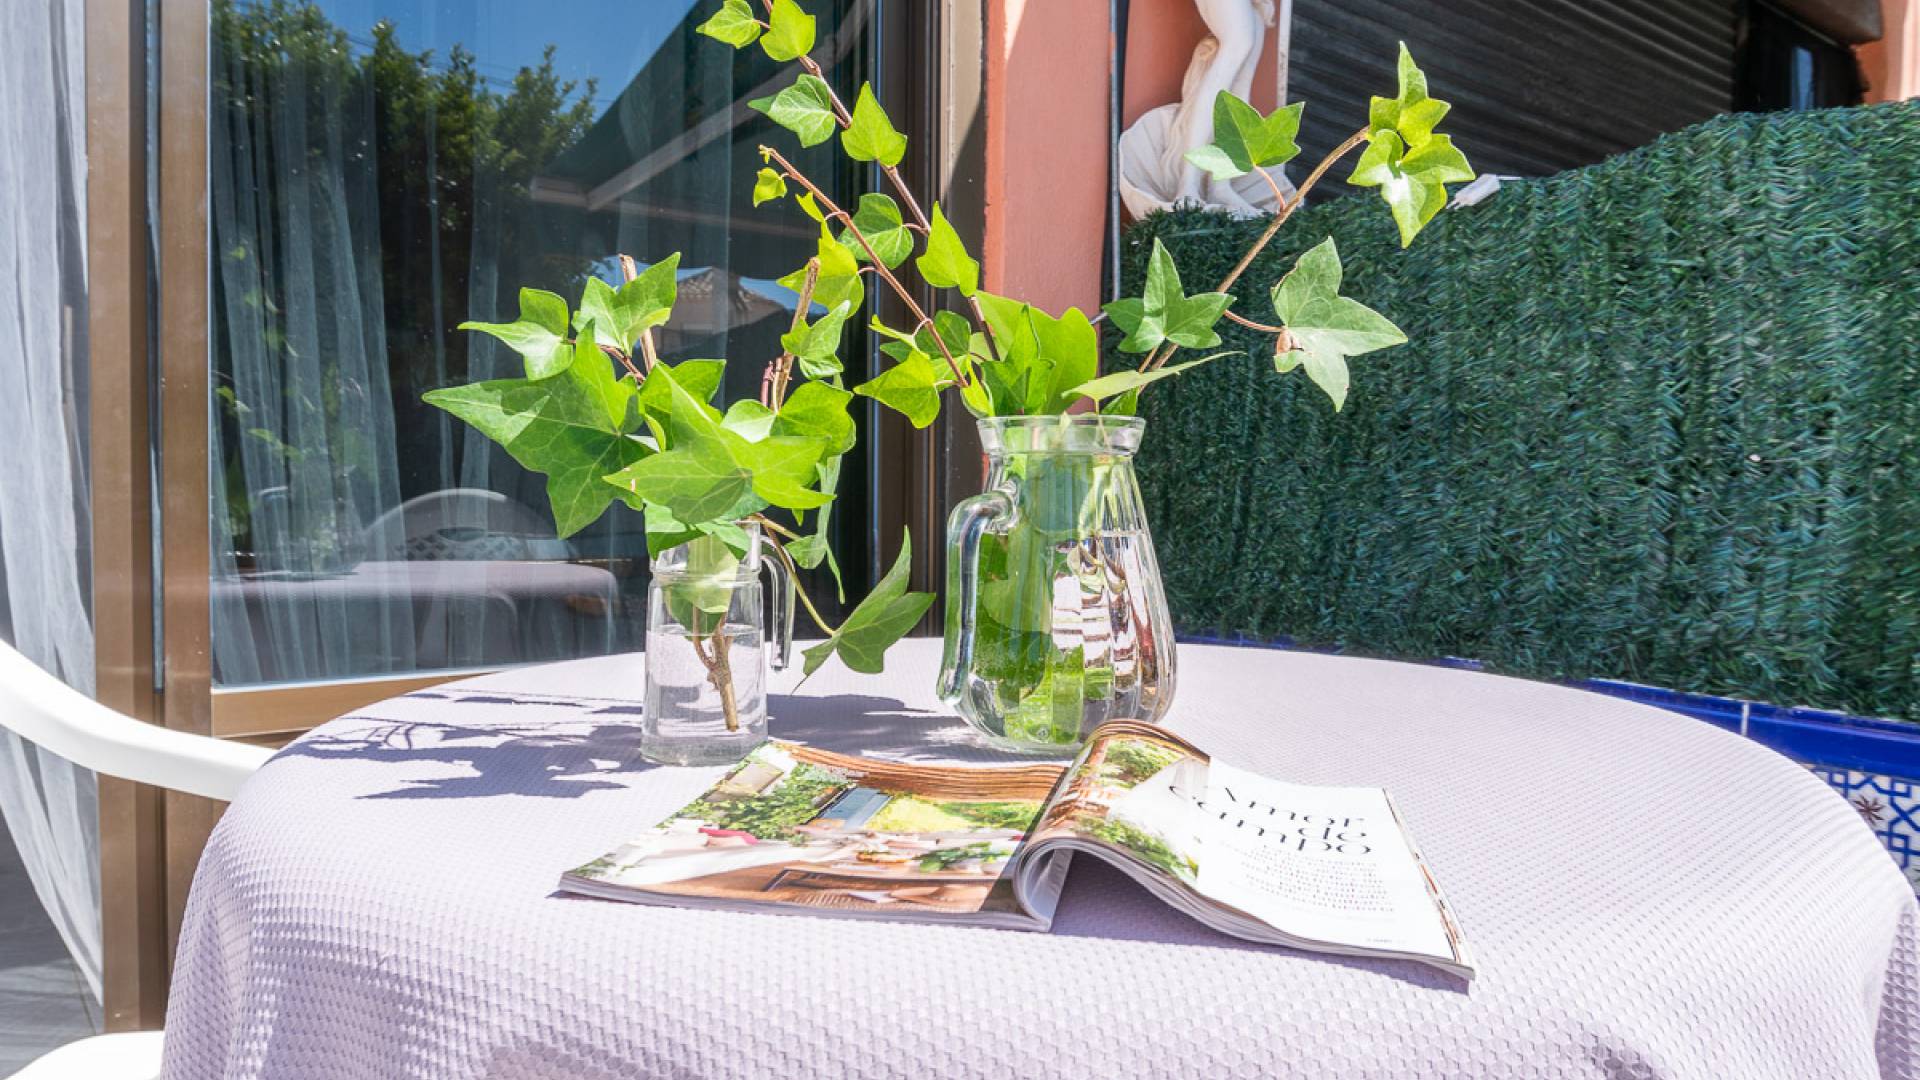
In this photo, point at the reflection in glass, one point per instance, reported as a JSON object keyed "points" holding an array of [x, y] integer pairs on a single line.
{"points": [[382, 170]]}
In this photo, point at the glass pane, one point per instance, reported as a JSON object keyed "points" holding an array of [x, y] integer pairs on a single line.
{"points": [[385, 169]]}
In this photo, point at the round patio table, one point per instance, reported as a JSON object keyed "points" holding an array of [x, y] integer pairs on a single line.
{"points": [[1647, 896]]}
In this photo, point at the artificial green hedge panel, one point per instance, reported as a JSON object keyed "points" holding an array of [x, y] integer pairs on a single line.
{"points": [[1659, 420]]}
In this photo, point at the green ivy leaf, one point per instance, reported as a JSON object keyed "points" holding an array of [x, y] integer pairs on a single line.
{"points": [[819, 410], [822, 368], [1243, 140], [701, 595], [697, 479], [1129, 313], [783, 468], [887, 614], [1070, 347], [790, 32], [539, 335], [1031, 343], [1012, 387], [748, 419], [1324, 326], [819, 342], [593, 370], [701, 378], [946, 264], [1119, 383], [639, 305], [597, 310], [870, 135], [976, 396], [839, 281], [733, 23], [553, 426], [1404, 158], [1165, 312], [768, 186], [952, 328], [811, 550], [878, 219], [910, 387], [1412, 114], [647, 301], [664, 531], [545, 308], [1011, 322], [1413, 183], [805, 108]]}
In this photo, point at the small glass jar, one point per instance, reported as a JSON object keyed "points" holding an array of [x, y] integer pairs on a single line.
{"points": [[708, 650]]}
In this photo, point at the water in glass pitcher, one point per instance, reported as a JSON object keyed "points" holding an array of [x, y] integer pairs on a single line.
{"points": [[1064, 634]]}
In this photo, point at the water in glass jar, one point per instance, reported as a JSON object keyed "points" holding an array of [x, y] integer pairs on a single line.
{"points": [[685, 722]]}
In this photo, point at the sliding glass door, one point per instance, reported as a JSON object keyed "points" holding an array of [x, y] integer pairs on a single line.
{"points": [[379, 171]]}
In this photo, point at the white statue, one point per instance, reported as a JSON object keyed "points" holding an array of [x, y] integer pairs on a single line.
{"points": [[1154, 171]]}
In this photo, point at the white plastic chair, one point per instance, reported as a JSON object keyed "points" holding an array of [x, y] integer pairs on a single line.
{"points": [[59, 719]]}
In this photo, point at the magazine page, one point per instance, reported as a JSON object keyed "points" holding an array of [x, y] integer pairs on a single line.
{"points": [[1319, 867], [798, 828]]}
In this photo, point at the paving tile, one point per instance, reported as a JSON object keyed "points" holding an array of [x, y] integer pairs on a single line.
{"points": [[43, 1002]]}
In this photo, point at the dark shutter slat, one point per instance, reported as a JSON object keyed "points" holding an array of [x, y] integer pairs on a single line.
{"points": [[1536, 88]]}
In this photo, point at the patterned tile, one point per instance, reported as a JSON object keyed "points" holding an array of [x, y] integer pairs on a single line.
{"points": [[1890, 805]]}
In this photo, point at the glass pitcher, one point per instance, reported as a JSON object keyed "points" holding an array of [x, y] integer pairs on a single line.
{"points": [[707, 650], [1056, 619]]}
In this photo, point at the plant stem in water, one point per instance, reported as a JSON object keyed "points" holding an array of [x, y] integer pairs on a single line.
{"points": [[719, 668], [721, 671]]}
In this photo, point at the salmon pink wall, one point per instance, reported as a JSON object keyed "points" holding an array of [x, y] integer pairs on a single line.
{"points": [[1892, 64], [1046, 151], [1160, 40], [1046, 125]]}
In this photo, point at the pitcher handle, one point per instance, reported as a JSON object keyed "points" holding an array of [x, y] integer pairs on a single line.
{"points": [[781, 628], [968, 523]]}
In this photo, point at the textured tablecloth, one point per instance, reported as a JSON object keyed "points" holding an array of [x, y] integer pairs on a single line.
{"points": [[1647, 896]]}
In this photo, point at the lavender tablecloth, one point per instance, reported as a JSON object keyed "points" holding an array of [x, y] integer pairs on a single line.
{"points": [[1648, 897]]}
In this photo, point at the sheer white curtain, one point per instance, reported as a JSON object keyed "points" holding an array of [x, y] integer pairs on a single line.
{"points": [[49, 805], [306, 451]]}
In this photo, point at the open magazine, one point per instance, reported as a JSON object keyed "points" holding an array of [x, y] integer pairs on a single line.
{"points": [[1330, 869]]}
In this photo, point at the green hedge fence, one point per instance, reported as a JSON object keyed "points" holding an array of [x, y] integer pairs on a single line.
{"points": [[1659, 421]]}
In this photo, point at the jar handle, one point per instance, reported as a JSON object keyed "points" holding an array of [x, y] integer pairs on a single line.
{"points": [[781, 629], [969, 522]]}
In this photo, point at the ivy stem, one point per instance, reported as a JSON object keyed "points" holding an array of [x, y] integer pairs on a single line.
{"points": [[840, 112], [625, 361], [773, 526], [630, 270], [805, 600], [780, 371], [794, 570], [723, 675], [719, 668], [834, 211], [1159, 357], [899, 183], [1251, 325]]}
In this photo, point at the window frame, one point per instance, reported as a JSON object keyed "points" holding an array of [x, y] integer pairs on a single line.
{"points": [[192, 702]]}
